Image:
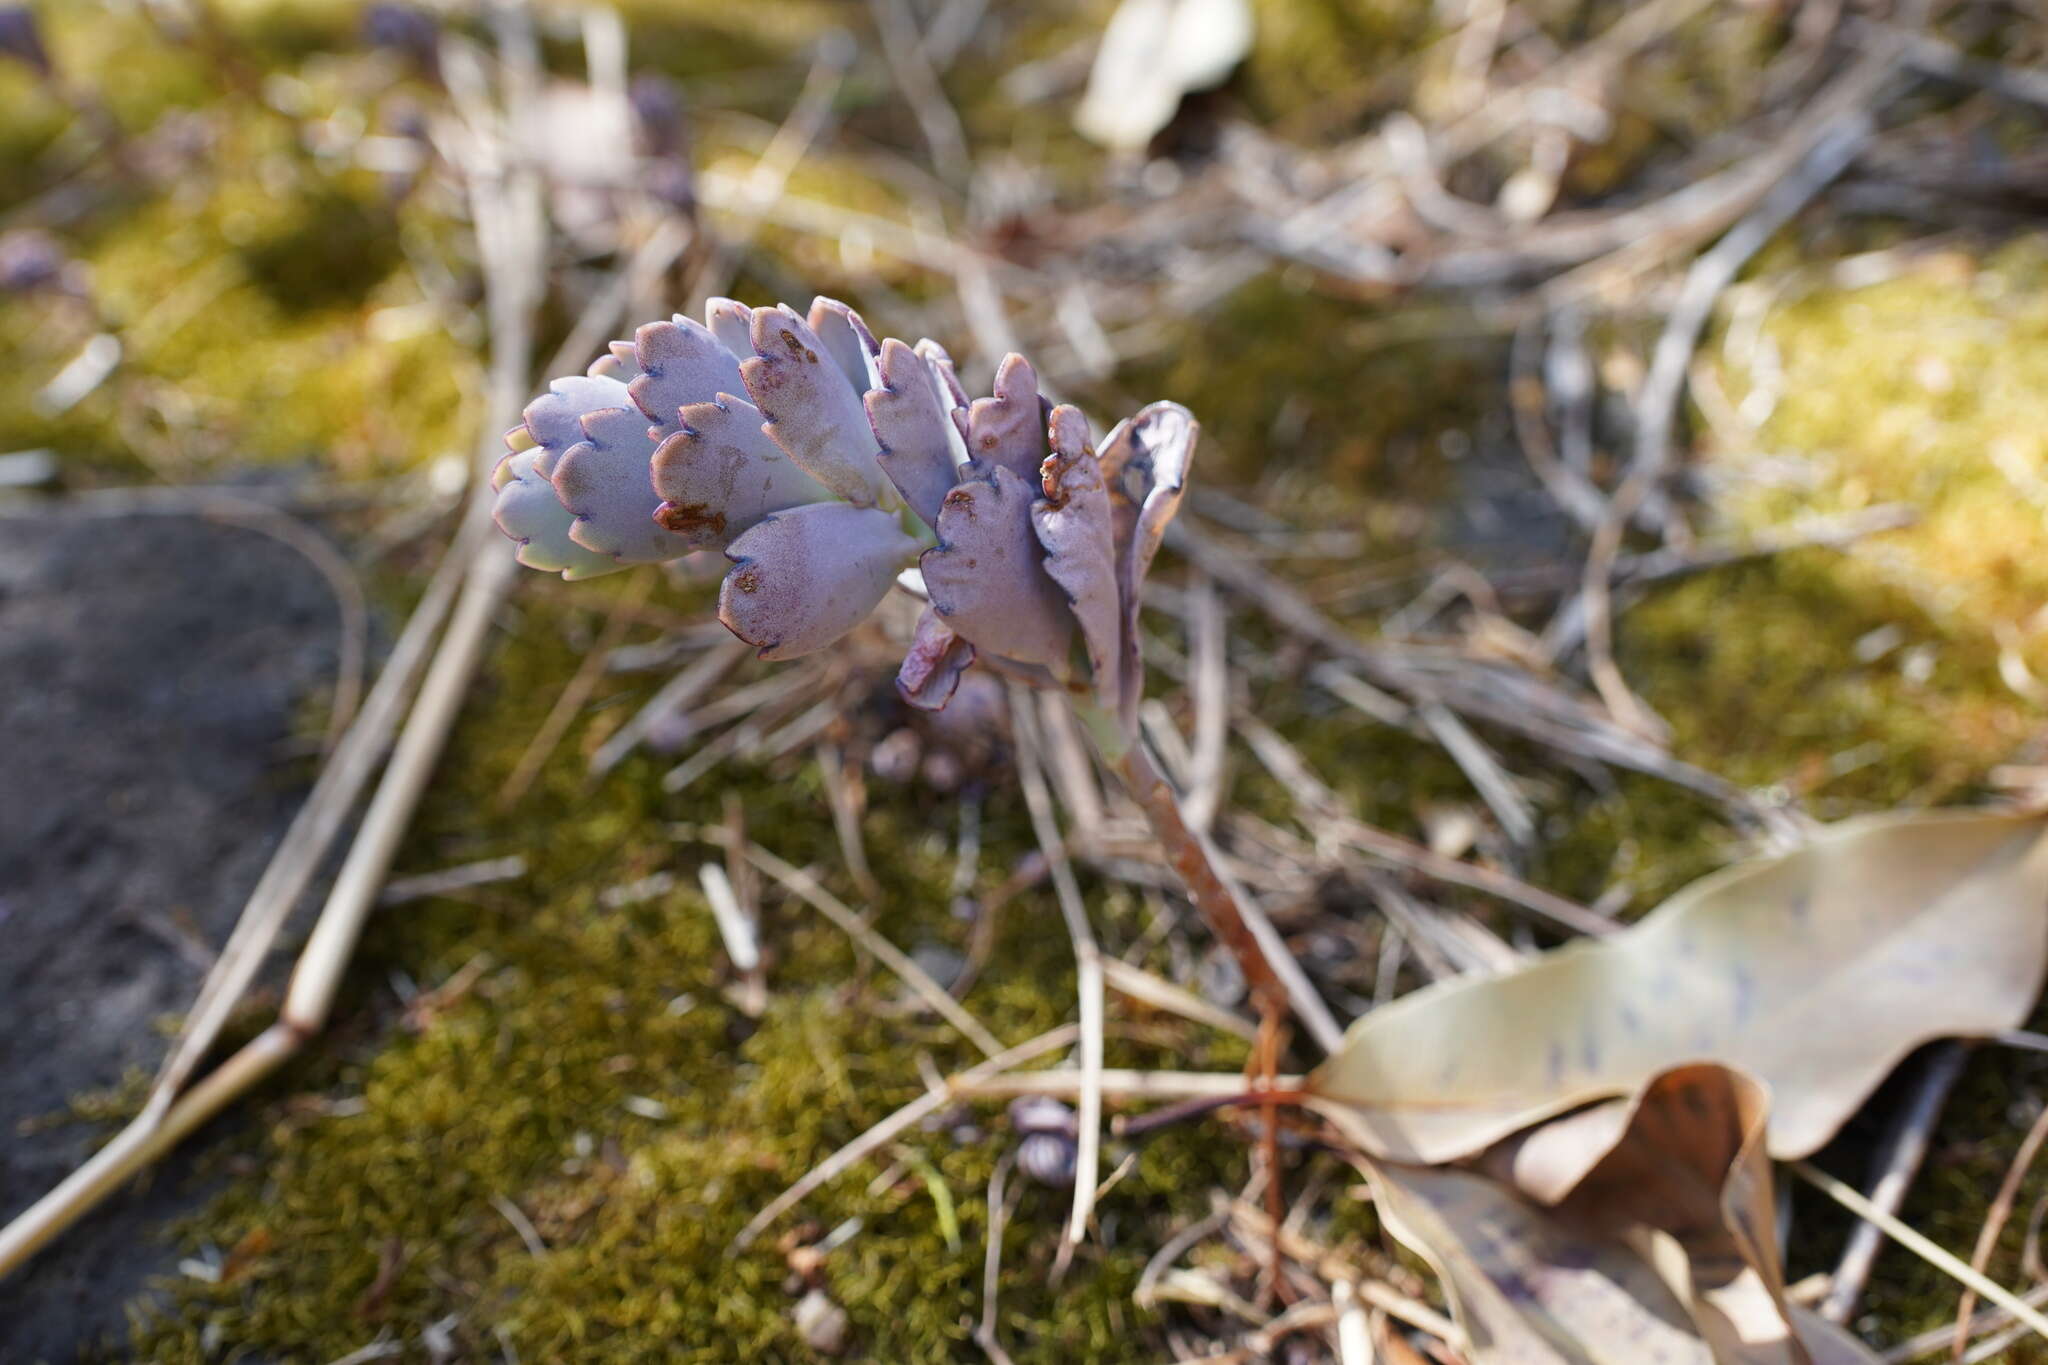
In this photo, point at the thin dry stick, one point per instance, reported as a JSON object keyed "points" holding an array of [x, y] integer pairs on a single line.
{"points": [[843, 795], [573, 696], [1905, 1151], [313, 830], [1121, 1084], [1982, 1322], [1847, 1196], [1161, 994], [985, 1335], [1354, 1334], [1088, 984], [807, 888], [883, 1133], [509, 232], [915, 77], [765, 183], [1270, 970], [678, 692], [1286, 764], [1994, 1223], [1663, 387]]}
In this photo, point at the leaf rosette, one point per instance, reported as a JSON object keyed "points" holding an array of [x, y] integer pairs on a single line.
{"points": [[825, 463]]}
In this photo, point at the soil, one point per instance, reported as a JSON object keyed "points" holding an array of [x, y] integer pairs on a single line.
{"points": [[152, 670]]}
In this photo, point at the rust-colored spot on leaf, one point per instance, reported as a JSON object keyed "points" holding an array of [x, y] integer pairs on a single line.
{"points": [[796, 347], [694, 518]]}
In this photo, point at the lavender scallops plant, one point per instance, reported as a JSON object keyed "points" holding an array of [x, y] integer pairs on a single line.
{"points": [[829, 466]]}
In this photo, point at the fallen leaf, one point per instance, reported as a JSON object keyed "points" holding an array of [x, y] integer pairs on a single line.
{"points": [[1153, 52], [1815, 972], [1657, 1250]]}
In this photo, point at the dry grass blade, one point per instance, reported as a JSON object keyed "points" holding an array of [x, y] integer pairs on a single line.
{"points": [[1847, 1196], [575, 693], [1712, 273], [807, 888], [314, 829], [1087, 964], [883, 1133], [1142, 985], [2001, 1209], [1905, 1148]]}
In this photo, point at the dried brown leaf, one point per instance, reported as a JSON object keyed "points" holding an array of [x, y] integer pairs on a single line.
{"points": [[1815, 972]]}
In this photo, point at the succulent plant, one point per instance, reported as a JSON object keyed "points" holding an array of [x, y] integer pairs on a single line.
{"points": [[825, 463]]}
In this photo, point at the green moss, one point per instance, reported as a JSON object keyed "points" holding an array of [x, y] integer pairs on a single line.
{"points": [[536, 1086]]}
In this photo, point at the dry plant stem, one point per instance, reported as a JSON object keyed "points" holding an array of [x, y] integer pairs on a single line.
{"points": [[1663, 387], [1946, 1262], [1161, 994], [1087, 965], [766, 183], [807, 889], [1987, 1237], [507, 212], [1904, 1153], [1276, 981], [992, 1259], [1982, 1323], [313, 830], [1214, 1088]]}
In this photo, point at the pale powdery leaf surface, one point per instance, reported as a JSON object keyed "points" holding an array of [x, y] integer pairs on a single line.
{"points": [[1008, 428], [719, 474], [811, 410], [1073, 525], [803, 578], [985, 578], [911, 415], [847, 340], [603, 482], [681, 362], [528, 511]]}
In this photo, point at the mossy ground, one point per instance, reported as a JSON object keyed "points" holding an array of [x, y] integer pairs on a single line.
{"points": [[590, 1069]]}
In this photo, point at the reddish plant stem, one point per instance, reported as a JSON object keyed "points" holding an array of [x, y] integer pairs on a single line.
{"points": [[1189, 857]]}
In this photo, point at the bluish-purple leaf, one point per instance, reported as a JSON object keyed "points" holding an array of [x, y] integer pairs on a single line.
{"points": [[847, 340], [913, 423], [1009, 428], [1074, 526], [1145, 463], [719, 474], [604, 482], [935, 356], [985, 579], [932, 667], [803, 578], [732, 323], [555, 419], [812, 411], [618, 362], [527, 510], [681, 362]]}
